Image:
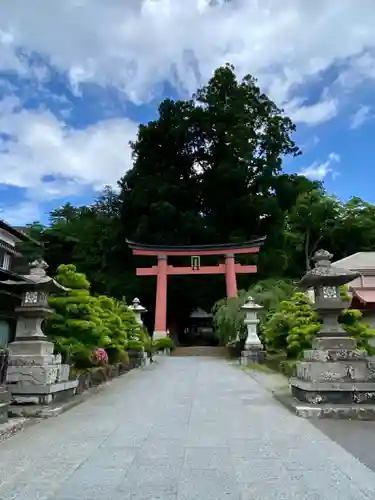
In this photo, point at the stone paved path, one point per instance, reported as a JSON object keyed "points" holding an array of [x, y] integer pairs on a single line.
{"points": [[186, 429]]}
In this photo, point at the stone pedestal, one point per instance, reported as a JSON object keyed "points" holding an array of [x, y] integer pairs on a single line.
{"points": [[4, 405], [35, 375], [334, 379], [160, 335], [253, 355]]}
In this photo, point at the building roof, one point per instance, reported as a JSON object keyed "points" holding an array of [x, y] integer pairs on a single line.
{"points": [[12, 230], [200, 313], [364, 295], [258, 242], [357, 261]]}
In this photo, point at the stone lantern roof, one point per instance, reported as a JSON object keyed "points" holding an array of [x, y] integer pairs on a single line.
{"points": [[37, 279], [137, 307], [251, 305], [324, 274]]}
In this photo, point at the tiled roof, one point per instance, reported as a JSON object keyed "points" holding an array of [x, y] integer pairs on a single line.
{"points": [[365, 295], [359, 260]]}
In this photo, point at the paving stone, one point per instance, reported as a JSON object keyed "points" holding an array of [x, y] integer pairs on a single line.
{"points": [[162, 451], [155, 474], [186, 428], [108, 458], [248, 470], [217, 458], [208, 485]]}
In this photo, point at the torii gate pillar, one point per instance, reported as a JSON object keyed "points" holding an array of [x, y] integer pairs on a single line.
{"points": [[160, 327], [230, 275]]}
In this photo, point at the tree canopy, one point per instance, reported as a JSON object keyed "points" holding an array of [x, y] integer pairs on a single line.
{"points": [[208, 169]]}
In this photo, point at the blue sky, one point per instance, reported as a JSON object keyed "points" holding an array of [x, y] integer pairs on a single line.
{"points": [[78, 76]]}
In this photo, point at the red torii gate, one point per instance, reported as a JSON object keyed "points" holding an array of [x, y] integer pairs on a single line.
{"points": [[229, 268]]}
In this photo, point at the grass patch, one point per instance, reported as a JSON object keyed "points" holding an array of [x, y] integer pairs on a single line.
{"points": [[258, 368]]}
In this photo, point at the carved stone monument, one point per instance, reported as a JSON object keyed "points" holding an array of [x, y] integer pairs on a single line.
{"points": [[35, 375], [334, 379], [254, 351]]}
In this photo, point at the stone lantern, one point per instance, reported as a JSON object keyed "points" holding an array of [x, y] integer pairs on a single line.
{"points": [[138, 310], [35, 374], [334, 378], [254, 351]]}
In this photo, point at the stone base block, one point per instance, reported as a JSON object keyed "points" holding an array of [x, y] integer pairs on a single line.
{"points": [[332, 342], [338, 393], [42, 394], [4, 405], [28, 371], [35, 375], [159, 335], [164, 352], [63, 373], [251, 356], [322, 371], [332, 355], [31, 348], [328, 411], [26, 360]]}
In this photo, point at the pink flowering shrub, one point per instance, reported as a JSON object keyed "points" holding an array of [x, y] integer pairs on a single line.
{"points": [[100, 356]]}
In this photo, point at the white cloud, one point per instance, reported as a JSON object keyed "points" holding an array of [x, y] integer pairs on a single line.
{"points": [[360, 116], [45, 147], [318, 171], [136, 45], [313, 114]]}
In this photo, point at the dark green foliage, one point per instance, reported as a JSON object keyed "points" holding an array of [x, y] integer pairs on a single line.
{"points": [[135, 345], [81, 323], [292, 326], [164, 343], [229, 319]]}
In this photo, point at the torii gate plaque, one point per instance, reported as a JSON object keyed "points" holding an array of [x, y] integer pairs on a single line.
{"points": [[229, 268]]}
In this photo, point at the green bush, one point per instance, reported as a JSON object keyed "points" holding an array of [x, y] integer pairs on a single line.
{"points": [[81, 323], [228, 319], [120, 325], [293, 325], [164, 343], [135, 345]]}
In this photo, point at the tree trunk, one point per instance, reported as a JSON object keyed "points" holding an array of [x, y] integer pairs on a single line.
{"points": [[307, 253]]}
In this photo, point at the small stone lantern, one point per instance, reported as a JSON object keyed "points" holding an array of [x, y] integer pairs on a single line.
{"points": [[334, 378], [35, 374], [254, 351], [138, 310]]}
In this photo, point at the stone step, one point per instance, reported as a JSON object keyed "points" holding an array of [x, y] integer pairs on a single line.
{"points": [[200, 351]]}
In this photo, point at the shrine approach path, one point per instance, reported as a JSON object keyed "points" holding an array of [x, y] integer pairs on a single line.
{"points": [[184, 428]]}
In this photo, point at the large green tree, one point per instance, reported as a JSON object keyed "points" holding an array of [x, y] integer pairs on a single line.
{"points": [[206, 171]]}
